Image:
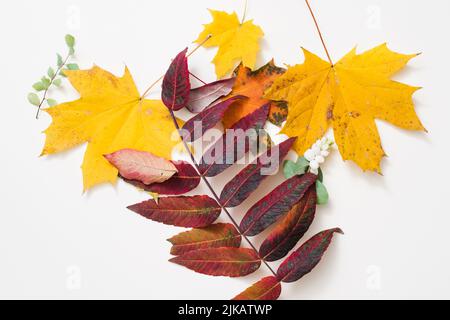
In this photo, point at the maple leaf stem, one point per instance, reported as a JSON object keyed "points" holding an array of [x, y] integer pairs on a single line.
{"points": [[194, 76], [205, 180], [150, 87], [320, 33], [245, 12]]}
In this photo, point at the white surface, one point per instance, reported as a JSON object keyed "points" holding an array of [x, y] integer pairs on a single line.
{"points": [[57, 243]]}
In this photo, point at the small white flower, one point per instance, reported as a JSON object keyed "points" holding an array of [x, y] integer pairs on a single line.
{"points": [[320, 159], [314, 171], [309, 155], [316, 149], [314, 165], [325, 153]]}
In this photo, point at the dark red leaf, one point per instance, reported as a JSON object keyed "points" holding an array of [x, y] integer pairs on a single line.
{"points": [[248, 180], [185, 180], [278, 202], [231, 262], [291, 228], [268, 288], [213, 163], [195, 211], [215, 236], [204, 96], [305, 258], [176, 84], [207, 119]]}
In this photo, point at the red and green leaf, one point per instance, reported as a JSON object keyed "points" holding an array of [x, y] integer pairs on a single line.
{"points": [[202, 97], [268, 288], [206, 119], [291, 228], [213, 163], [185, 180], [249, 179], [214, 236], [305, 258], [189, 212], [230, 262], [176, 85], [278, 202]]}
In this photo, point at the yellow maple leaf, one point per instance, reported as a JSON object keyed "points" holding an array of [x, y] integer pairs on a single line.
{"points": [[236, 41], [348, 97], [110, 115]]}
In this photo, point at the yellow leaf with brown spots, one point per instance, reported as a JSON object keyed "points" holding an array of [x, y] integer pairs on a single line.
{"points": [[348, 97], [252, 84], [109, 115]]}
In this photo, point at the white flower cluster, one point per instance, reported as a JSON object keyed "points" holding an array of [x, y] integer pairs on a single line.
{"points": [[317, 154]]}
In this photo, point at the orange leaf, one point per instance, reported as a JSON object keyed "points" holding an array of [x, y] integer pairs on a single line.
{"points": [[252, 84]]}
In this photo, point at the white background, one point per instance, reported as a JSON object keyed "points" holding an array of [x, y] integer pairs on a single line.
{"points": [[56, 242]]}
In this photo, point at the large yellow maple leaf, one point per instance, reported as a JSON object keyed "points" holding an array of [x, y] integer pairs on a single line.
{"points": [[110, 115], [236, 41], [348, 97]]}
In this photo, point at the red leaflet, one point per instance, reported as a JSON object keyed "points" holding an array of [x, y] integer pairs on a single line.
{"points": [[204, 96], [268, 288], [207, 119], [223, 153], [195, 211], [185, 180], [249, 179], [305, 258], [176, 85], [291, 228], [215, 236], [231, 262], [141, 166], [267, 210]]}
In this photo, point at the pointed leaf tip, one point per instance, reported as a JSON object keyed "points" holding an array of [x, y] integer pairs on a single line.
{"points": [[176, 83]]}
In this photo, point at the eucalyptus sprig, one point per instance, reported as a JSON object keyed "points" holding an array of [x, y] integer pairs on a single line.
{"points": [[53, 77]]}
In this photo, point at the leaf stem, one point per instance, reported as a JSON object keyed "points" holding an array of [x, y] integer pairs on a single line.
{"points": [[245, 12], [320, 33], [146, 92], [44, 97], [216, 196]]}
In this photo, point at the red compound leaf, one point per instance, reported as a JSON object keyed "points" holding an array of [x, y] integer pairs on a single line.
{"points": [[268, 288], [291, 228], [202, 97], [249, 179], [214, 236], [195, 211], [305, 258], [176, 85], [278, 202], [230, 262]]}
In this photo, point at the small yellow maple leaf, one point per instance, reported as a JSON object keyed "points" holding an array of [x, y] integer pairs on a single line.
{"points": [[236, 41], [348, 97], [110, 115]]}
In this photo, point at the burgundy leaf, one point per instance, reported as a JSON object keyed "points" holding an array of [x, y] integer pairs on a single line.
{"points": [[141, 166], [248, 180], [305, 258], [185, 180], [215, 236], [231, 262], [176, 84], [268, 288], [204, 96], [207, 119], [291, 228], [278, 202], [213, 163], [195, 211]]}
